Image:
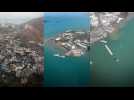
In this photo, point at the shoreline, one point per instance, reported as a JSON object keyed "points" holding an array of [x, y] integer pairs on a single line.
{"points": [[60, 49], [116, 28], [68, 51]]}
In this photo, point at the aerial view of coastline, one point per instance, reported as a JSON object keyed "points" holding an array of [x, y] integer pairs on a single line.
{"points": [[66, 49], [111, 52], [89, 49], [67, 60], [21, 49]]}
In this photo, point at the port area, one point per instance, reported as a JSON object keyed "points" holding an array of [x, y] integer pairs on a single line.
{"points": [[104, 24], [74, 43]]}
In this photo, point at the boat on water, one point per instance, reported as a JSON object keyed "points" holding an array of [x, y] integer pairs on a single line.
{"points": [[57, 55]]}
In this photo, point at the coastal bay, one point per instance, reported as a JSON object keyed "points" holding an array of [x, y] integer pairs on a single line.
{"points": [[108, 72], [68, 71]]}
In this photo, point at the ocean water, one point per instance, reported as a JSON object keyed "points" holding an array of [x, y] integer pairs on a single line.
{"points": [[105, 71], [59, 22], [69, 71]]}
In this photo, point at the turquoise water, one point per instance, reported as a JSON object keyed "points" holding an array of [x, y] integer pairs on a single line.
{"points": [[105, 70], [59, 22], [69, 71]]}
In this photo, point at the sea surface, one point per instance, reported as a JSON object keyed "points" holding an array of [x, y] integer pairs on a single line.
{"points": [[69, 71], [105, 71]]}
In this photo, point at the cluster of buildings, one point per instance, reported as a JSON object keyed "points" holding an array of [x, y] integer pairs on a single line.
{"points": [[75, 43], [103, 24], [7, 25], [17, 61]]}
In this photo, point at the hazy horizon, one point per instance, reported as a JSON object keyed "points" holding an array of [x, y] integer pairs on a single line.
{"points": [[18, 17]]}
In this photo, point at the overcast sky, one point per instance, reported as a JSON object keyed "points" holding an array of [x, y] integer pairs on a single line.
{"points": [[18, 17]]}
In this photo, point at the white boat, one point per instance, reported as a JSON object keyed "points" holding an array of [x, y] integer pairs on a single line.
{"points": [[57, 55], [109, 50], [103, 41]]}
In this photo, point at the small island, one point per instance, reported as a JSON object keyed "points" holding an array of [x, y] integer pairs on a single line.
{"points": [[73, 43]]}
